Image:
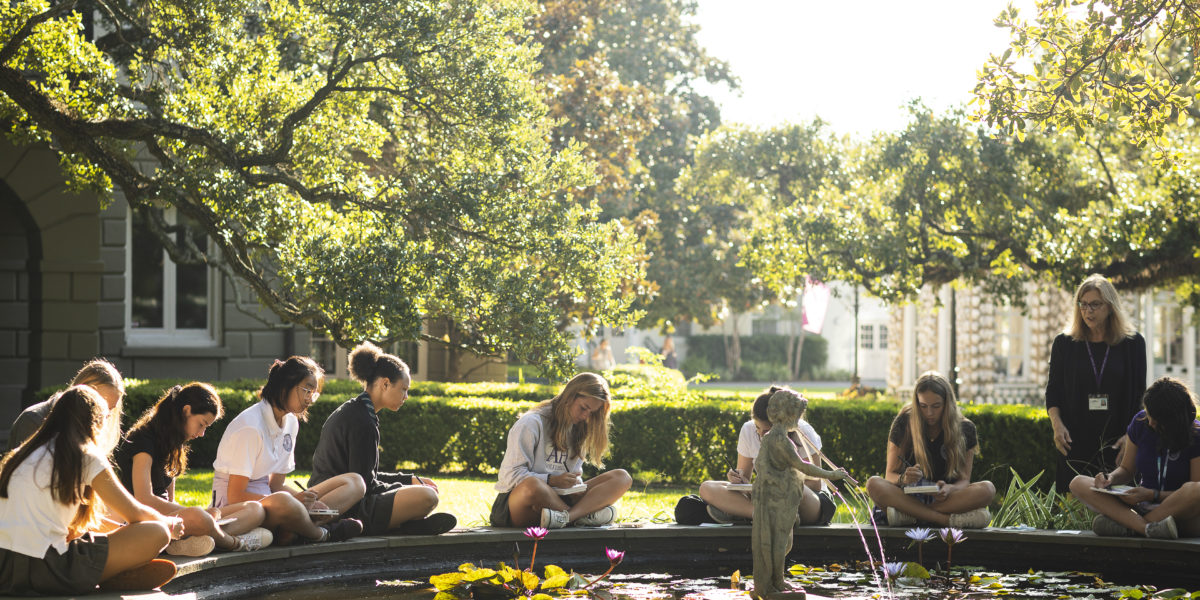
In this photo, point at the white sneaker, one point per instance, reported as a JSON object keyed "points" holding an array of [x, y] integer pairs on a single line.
{"points": [[600, 518], [255, 539], [555, 519], [899, 519], [1163, 530], [195, 545], [972, 519]]}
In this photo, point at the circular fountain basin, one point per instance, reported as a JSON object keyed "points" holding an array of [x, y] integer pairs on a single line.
{"points": [[351, 568]]}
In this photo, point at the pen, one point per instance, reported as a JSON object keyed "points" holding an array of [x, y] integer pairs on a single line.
{"points": [[300, 485]]}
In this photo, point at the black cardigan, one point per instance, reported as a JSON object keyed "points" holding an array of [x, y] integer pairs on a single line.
{"points": [[350, 444]]}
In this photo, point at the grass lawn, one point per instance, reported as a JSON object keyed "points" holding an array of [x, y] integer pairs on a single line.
{"points": [[470, 498]]}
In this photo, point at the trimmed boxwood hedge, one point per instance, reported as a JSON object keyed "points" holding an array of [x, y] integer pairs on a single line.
{"points": [[680, 437]]}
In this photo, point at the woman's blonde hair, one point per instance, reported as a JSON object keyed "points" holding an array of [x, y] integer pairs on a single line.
{"points": [[588, 439], [95, 373], [952, 437], [1116, 327]]}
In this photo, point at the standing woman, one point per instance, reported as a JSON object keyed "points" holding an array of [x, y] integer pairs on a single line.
{"points": [[48, 502], [349, 443], [931, 443], [258, 451], [546, 451], [155, 453], [1162, 459], [100, 375], [1097, 378]]}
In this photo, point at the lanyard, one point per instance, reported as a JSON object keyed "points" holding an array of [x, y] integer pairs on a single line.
{"points": [[1092, 359], [1162, 471]]}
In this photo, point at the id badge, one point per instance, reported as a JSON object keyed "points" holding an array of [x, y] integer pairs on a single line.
{"points": [[1097, 401]]}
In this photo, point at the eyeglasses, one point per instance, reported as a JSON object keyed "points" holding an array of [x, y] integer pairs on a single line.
{"points": [[308, 392], [1091, 306]]}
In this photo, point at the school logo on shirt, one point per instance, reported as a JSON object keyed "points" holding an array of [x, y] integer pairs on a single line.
{"points": [[557, 460], [287, 442]]}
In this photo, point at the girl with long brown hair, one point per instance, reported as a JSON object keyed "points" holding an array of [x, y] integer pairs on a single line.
{"points": [[932, 444], [541, 476], [53, 488], [155, 452]]}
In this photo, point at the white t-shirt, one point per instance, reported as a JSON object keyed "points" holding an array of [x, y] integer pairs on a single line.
{"points": [[530, 454], [749, 442], [254, 446], [31, 520]]}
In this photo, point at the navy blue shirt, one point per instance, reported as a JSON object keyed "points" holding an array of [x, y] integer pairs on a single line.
{"points": [[1173, 468]]}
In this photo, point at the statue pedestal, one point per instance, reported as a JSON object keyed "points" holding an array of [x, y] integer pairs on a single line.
{"points": [[792, 594]]}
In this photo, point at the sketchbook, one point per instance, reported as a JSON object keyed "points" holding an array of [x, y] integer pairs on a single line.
{"points": [[321, 512], [1116, 490], [740, 487], [578, 488], [921, 489]]}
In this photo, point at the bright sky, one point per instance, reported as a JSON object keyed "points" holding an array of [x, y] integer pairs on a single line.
{"points": [[854, 63]]}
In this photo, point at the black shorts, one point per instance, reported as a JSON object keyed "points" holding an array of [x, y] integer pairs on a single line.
{"points": [[375, 512], [76, 571], [828, 508], [500, 516]]}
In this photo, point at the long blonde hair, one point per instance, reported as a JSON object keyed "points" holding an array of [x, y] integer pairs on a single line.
{"points": [[1116, 327], [98, 372], [588, 439], [952, 437]]}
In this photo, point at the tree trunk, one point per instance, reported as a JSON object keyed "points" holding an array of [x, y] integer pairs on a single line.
{"points": [[795, 349], [733, 349]]}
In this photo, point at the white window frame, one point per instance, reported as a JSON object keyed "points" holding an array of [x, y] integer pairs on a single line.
{"points": [[168, 335]]}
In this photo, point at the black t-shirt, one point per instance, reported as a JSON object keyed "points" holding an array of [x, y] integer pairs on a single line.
{"points": [[933, 449], [136, 443]]}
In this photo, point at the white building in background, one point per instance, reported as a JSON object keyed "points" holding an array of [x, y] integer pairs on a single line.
{"points": [[843, 313], [1002, 353]]}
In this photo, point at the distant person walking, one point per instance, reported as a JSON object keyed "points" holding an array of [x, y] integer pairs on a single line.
{"points": [[1097, 378], [669, 360], [602, 357]]}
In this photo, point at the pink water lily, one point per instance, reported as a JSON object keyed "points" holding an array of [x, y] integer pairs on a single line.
{"points": [[614, 558], [536, 533]]}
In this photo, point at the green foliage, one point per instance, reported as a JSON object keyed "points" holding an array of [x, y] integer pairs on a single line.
{"points": [[945, 201], [1026, 504], [340, 157], [762, 356], [1127, 66]]}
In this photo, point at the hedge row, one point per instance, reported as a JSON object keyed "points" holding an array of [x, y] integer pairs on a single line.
{"points": [[685, 438]]}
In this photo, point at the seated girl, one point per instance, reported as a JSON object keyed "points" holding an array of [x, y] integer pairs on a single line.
{"points": [[1162, 459], [349, 443], [100, 375], [155, 453], [48, 502], [726, 505], [546, 451], [258, 451], [931, 443]]}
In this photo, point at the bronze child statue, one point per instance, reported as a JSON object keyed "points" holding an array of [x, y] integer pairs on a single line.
{"points": [[776, 495]]}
